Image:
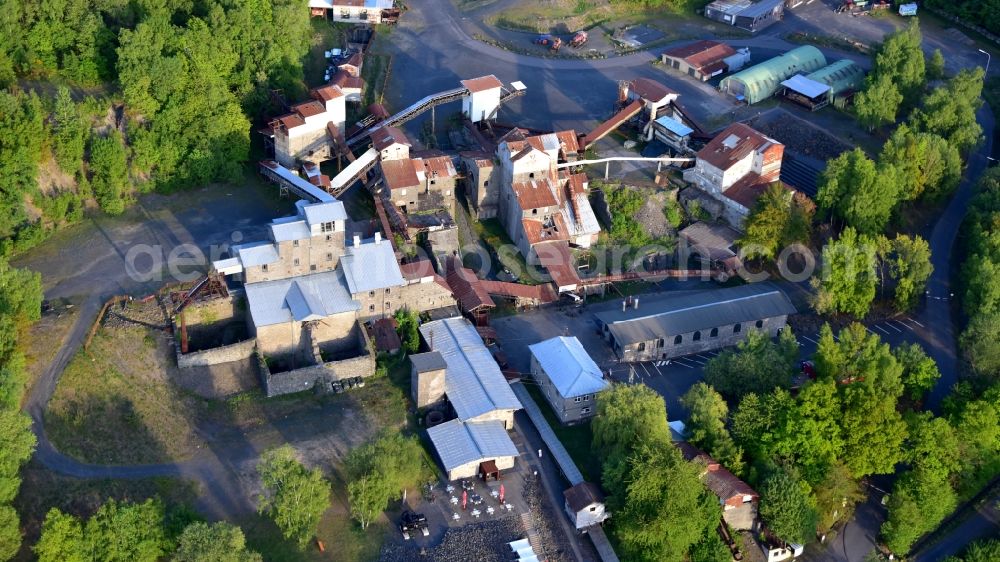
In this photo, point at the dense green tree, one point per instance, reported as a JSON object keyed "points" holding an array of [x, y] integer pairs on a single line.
{"points": [[710, 549], [788, 506], [757, 364], [979, 343], [664, 510], [982, 286], [779, 218], [706, 427], [987, 550], [808, 435], [920, 500], [121, 532], [627, 416], [758, 420], [847, 281], [10, 532], [878, 104], [900, 59], [836, 497], [932, 445], [216, 542], [293, 496], [62, 539], [408, 328], [920, 372], [928, 165], [379, 471], [69, 132], [109, 172], [950, 110], [935, 66], [909, 263], [22, 136], [17, 443], [855, 190]]}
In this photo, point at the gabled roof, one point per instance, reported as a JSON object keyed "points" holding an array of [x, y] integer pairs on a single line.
{"points": [[400, 174], [732, 145], [686, 312], [717, 478], [307, 297], [459, 443], [482, 83], [583, 495], [466, 286], [650, 89], [330, 211], [473, 383], [560, 140], [256, 253], [701, 53], [345, 81], [534, 194], [568, 366], [289, 230], [385, 137], [327, 93], [438, 167], [371, 266], [309, 108]]}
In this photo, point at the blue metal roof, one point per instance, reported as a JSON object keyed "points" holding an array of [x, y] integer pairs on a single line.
{"points": [[371, 266], [309, 297], [459, 443], [674, 126], [568, 366]]}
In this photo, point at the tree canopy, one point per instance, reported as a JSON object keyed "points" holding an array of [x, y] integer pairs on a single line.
{"points": [[293, 496], [379, 471], [215, 542], [706, 427], [627, 415], [779, 219], [757, 364], [847, 281], [855, 190]]}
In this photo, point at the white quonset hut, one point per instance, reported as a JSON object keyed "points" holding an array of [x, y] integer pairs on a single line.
{"points": [[568, 377], [477, 392], [464, 446]]}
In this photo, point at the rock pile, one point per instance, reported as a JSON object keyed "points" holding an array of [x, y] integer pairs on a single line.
{"points": [[552, 540], [478, 542]]}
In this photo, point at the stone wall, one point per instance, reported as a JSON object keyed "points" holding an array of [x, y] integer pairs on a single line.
{"points": [[306, 378], [216, 355]]}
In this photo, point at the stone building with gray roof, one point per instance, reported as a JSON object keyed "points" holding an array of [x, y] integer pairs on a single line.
{"points": [[685, 322]]}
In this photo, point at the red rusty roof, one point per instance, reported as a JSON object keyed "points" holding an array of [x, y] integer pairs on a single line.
{"points": [[327, 93], [748, 189], [347, 82], [534, 194], [386, 338], [482, 83], [400, 174], [309, 108], [416, 270], [466, 287], [724, 484], [388, 136], [732, 145], [701, 53], [650, 89], [439, 167], [541, 293], [556, 258]]}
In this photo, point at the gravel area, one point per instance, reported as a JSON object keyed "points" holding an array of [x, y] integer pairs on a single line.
{"points": [[478, 542], [650, 216], [551, 539]]}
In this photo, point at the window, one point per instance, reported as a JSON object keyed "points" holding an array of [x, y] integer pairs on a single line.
{"points": [[534, 211], [364, 15], [593, 508], [486, 183], [295, 243], [586, 398], [345, 14], [642, 346], [328, 237], [388, 304], [371, 308], [660, 342], [295, 261], [312, 267], [329, 257], [388, 290], [433, 182], [371, 293], [402, 192], [577, 399], [759, 324], [263, 267], [585, 410], [326, 227], [678, 339], [531, 175], [737, 328], [714, 333], [697, 336]]}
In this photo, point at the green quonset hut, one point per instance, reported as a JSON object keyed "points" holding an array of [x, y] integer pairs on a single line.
{"points": [[761, 81], [842, 76]]}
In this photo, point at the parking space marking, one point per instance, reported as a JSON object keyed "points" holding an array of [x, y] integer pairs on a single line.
{"points": [[648, 374], [683, 364], [703, 357], [693, 360], [810, 339], [870, 330], [657, 367], [883, 330], [905, 325], [889, 323], [914, 321]]}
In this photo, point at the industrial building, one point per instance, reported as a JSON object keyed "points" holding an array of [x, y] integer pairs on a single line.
{"points": [[744, 14], [705, 59], [763, 80], [824, 86], [568, 378], [682, 323], [460, 372], [355, 11]]}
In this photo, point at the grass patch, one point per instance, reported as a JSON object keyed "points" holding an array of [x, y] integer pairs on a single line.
{"points": [[577, 439], [325, 36], [491, 232], [114, 405], [342, 537], [45, 338]]}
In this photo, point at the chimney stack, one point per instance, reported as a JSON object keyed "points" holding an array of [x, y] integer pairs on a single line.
{"points": [[357, 240], [378, 237]]}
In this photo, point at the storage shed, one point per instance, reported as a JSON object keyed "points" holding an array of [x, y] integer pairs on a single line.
{"points": [[843, 76], [760, 15], [761, 81]]}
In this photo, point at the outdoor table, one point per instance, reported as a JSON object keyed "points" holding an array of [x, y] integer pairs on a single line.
{"points": [[495, 494], [454, 500], [467, 485], [455, 516], [476, 499], [490, 510], [449, 488], [476, 513], [509, 506]]}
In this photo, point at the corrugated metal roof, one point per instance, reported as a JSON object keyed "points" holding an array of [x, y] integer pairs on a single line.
{"points": [[256, 253], [282, 231], [430, 361], [473, 382], [806, 86], [370, 266], [309, 297], [762, 80], [758, 9], [459, 443], [586, 222], [325, 212], [731, 7], [684, 313], [841, 76], [568, 366], [674, 126]]}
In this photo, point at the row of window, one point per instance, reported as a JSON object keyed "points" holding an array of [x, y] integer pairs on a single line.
{"points": [[579, 399], [714, 333]]}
